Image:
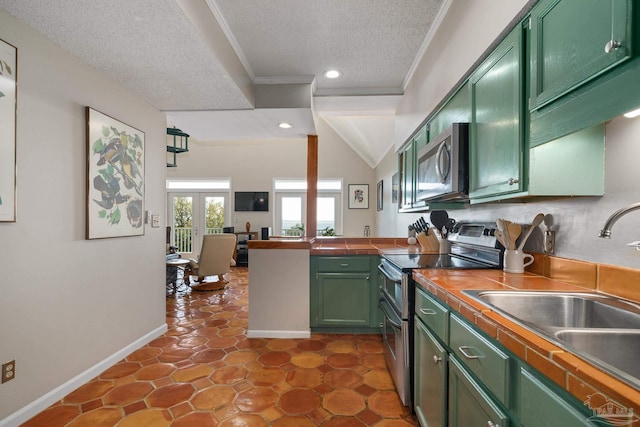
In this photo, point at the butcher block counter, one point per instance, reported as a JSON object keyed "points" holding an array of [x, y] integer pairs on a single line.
{"points": [[573, 374]]}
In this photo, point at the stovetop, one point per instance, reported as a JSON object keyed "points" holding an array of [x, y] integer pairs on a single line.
{"points": [[410, 261], [473, 246]]}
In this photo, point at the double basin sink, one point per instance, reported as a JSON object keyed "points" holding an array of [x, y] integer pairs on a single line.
{"points": [[602, 329]]}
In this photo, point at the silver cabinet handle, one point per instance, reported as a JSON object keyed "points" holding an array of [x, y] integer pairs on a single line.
{"points": [[344, 265], [428, 311], [464, 349], [612, 45], [491, 424], [436, 359]]}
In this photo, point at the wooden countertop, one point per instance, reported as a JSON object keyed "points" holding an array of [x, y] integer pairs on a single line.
{"points": [[579, 377]]}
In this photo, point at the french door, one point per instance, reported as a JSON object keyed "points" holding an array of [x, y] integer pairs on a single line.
{"points": [[291, 213], [192, 214]]}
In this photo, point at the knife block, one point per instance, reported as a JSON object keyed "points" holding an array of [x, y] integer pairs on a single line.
{"points": [[429, 242]]}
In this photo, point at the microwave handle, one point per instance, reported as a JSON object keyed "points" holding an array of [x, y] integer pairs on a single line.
{"points": [[442, 149]]}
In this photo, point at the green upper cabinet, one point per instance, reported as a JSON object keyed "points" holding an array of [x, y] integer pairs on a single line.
{"points": [[496, 131], [408, 166], [573, 41], [456, 109]]}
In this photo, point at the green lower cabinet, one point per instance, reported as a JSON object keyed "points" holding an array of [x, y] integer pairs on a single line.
{"points": [[469, 404], [343, 299], [430, 387], [344, 294], [540, 406]]}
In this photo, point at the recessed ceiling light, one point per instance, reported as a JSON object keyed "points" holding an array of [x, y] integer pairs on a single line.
{"points": [[332, 74], [285, 125], [632, 114]]}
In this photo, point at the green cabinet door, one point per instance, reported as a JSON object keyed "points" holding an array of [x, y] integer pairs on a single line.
{"points": [[469, 405], [343, 299], [344, 294], [540, 406], [430, 387], [407, 158], [573, 41], [496, 132]]}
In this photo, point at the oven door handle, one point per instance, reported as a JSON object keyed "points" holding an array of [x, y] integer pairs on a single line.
{"points": [[388, 316], [397, 278]]}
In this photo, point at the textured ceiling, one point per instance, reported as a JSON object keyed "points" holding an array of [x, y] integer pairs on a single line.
{"points": [[373, 43], [198, 56]]}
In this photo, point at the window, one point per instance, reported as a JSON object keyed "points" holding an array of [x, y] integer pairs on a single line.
{"points": [[194, 208], [291, 203]]}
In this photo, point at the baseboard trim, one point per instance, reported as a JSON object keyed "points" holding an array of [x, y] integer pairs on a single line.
{"points": [[278, 334], [34, 408]]}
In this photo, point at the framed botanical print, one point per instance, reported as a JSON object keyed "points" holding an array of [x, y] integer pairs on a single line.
{"points": [[358, 196], [8, 108], [115, 178]]}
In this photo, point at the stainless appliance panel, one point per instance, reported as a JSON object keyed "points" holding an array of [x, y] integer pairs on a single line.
{"points": [[442, 166], [396, 288], [395, 337]]}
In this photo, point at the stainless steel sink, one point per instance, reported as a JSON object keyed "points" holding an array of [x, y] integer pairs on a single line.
{"points": [[602, 329], [553, 310], [617, 348]]}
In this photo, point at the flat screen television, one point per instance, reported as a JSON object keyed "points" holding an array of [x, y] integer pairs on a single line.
{"points": [[246, 201]]}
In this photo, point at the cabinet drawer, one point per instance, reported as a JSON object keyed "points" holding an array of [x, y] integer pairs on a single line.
{"points": [[485, 360], [433, 314], [347, 264]]}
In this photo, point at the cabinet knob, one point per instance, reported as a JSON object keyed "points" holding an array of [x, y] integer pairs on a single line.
{"points": [[491, 424], [512, 181], [612, 45], [436, 359]]}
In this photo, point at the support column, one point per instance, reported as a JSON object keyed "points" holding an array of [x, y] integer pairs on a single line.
{"points": [[312, 186]]}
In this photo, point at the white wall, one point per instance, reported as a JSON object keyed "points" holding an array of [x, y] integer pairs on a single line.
{"points": [[576, 220], [252, 165], [67, 303]]}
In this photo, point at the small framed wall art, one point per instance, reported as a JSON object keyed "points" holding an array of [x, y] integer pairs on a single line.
{"points": [[8, 108], [358, 196], [115, 178]]}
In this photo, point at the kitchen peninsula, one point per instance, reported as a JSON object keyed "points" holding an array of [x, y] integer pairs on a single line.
{"points": [[279, 279]]}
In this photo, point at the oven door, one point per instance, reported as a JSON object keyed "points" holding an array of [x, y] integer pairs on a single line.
{"points": [[395, 337], [396, 288]]}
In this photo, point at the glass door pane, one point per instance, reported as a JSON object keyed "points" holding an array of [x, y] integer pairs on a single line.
{"points": [[214, 213], [290, 214], [326, 215], [182, 222]]}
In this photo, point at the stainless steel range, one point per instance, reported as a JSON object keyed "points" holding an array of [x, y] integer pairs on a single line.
{"points": [[473, 246]]}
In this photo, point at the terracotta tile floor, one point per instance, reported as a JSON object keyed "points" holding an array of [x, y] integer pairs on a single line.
{"points": [[205, 372]]}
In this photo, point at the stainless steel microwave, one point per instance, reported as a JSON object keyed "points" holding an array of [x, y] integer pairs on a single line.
{"points": [[443, 166]]}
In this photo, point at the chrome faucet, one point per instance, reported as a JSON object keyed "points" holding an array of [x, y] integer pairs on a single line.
{"points": [[605, 233]]}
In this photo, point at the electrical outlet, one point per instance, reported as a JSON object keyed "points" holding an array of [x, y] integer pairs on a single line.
{"points": [[549, 241], [8, 371]]}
